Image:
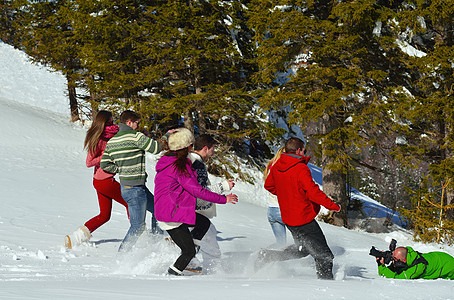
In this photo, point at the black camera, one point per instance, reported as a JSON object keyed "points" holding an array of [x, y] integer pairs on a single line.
{"points": [[387, 255]]}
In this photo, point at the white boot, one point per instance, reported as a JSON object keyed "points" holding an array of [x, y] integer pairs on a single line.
{"points": [[81, 235]]}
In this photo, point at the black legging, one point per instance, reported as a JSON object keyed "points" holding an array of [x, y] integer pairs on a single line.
{"points": [[184, 239]]}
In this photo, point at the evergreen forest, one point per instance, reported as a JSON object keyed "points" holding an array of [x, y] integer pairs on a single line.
{"points": [[370, 83]]}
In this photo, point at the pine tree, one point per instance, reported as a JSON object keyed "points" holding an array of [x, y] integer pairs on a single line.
{"points": [[424, 107], [427, 217], [429, 110], [343, 71], [9, 15], [173, 61], [195, 62], [195, 56], [111, 34]]}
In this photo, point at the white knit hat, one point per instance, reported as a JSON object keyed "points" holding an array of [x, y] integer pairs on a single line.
{"points": [[180, 138]]}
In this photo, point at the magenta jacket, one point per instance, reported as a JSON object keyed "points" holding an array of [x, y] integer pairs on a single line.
{"points": [[175, 193]]}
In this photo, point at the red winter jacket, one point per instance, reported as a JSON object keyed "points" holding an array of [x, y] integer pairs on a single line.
{"points": [[298, 195]]}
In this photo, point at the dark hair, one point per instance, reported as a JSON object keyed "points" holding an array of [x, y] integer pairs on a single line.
{"points": [[202, 141], [129, 115], [94, 133], [293, 144], [182, 160]]}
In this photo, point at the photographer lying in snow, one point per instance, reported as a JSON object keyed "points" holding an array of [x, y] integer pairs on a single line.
{"points": [[406, 263]]}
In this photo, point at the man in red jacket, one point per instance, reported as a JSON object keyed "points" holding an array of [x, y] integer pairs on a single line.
{"points": [[299, 199]]}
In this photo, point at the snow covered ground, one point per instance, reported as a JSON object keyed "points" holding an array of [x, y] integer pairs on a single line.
{"points": [[46, 192]]}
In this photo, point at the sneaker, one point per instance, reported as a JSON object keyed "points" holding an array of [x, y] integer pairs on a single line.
{"points": [[194, 265]]}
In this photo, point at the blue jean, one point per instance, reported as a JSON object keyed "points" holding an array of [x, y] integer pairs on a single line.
{"points": [[139, 200], [278, 227]]}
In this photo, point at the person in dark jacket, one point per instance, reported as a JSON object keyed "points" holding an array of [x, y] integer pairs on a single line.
{"points": [[299, 199], [410, 264], [204, 146]]}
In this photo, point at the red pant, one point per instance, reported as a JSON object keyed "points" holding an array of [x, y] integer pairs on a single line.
{"points": [[107, 190]]}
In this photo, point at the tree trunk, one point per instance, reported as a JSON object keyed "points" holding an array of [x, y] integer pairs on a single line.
{"points": [[94, 107], [334, 181], [199, 108], [449, 155], [202, 123], [334, 185], [73, 105], [189, 120]]}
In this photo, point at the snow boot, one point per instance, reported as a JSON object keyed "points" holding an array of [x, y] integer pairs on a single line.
{"points": [[81, 235], [324, 269], [174, 271]]}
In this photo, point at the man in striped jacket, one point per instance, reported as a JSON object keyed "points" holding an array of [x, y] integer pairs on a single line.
{"points": [[125, 155]]}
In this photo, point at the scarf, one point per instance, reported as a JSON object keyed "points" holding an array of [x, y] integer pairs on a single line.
{"points": [[109, 131]]}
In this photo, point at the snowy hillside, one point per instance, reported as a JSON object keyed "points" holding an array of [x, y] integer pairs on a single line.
{"points": [[46, 192]]}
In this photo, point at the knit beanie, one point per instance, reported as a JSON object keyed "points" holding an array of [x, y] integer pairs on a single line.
{"points": [[180, 138]]}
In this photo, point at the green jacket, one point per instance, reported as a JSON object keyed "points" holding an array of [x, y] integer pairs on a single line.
{"points": [[433, 265], [125, 155]]}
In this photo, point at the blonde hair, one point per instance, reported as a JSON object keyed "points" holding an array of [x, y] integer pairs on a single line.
{"points": [[95, 131], [272, 162]]}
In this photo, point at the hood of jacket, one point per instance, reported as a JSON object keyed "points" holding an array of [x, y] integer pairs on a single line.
{"points": [[411, 255], [289, 160], [166, 161], [124, 127]]}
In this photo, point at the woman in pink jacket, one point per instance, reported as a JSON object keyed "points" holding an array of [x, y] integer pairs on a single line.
{"points": [[101, 130], [176, 190]]}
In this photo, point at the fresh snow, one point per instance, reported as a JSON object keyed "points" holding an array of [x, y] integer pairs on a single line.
{"points": [[46, 192]]}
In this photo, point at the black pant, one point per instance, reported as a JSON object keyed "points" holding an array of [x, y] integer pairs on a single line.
{"points": [[309, 239], [184, 239]]}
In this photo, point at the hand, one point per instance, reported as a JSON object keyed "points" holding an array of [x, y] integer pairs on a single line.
{"points": [[165, 137], [231, 183], [338, 210], [231, 198], [380, 261]]}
